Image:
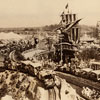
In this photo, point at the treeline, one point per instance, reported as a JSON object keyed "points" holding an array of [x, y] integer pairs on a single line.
{"points": [[90, 53], [50, 27], [89, 30], [84, 29]]}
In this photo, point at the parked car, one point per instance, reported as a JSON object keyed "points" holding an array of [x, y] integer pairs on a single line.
{"points": [[95, 65], [78, 71], [85, 72], [95, 75], [32, 68]]}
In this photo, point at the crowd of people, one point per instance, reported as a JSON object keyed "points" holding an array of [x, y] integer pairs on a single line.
{"points": [[19, 46], [91, 94]]}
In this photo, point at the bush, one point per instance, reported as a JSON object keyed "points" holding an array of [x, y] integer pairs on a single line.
{"points": [[90, 53]]}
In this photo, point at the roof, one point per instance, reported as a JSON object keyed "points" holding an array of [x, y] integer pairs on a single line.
{"points": [[72, 24], [35, 64], [96, 71], [98, 63], [32, 52], [9, 35], [87, 69], [46, 72]]}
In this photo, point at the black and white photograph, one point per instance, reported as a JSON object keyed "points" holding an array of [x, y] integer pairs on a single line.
{"points": [[49, 49]]}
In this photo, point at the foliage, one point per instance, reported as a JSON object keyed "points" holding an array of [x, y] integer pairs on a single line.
{"points": [[49, 43], [90, 53], [50, 27]]}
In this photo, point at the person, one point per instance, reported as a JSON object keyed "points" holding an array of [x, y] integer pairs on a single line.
{"points": [[65, 65], [61, 62]]}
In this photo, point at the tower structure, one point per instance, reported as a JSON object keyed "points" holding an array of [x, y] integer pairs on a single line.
{"points": [[69, 36]]}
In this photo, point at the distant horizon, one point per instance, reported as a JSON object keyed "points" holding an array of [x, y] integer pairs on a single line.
{"points": [[40, 26], [37, 13]]}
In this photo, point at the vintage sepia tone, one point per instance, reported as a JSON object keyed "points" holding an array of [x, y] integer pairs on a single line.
{"points": [[49, 50]]}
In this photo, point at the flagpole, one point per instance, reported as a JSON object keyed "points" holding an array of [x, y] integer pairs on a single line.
{"points": [[61, 51], [67, 7], [61, 48]]}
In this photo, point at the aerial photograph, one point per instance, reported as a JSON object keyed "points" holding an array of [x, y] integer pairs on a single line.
{"points": [[49, 49]]}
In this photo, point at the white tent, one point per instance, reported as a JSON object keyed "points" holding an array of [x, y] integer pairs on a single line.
{"points": [[10, 36], [86, 37]]}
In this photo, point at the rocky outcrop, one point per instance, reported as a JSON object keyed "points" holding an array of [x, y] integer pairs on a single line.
{"points": [[20, 86]]}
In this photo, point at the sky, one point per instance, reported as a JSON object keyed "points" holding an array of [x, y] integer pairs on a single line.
{"points": [[33, 13]]}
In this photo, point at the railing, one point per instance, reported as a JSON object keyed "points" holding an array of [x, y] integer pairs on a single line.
{"points": [[66, 46]]}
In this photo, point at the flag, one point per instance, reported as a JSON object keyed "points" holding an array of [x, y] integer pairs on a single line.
{"points": [[68, 11], [60, 22], [66, 6], [62, 13]]}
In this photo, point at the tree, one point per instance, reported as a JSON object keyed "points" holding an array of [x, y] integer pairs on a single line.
{"points": [[90, 53]]}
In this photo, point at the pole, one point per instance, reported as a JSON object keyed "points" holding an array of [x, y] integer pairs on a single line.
{"points": [[61, 51]]}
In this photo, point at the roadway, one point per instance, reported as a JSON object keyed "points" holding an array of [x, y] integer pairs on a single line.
{"points": [[79, 81]]}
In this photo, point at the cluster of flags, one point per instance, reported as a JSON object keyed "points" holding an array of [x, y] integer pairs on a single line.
{"points": [[66, 7], [63, 13]]}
